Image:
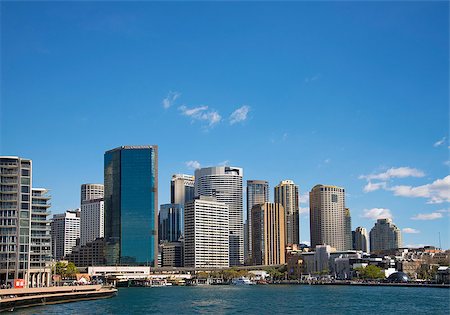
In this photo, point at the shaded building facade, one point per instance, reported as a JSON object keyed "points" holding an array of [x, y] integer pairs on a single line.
{"points": [[286, 194]]}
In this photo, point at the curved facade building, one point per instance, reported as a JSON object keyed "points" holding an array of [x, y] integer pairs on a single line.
{"points": [[385, 235], [91, 191]]}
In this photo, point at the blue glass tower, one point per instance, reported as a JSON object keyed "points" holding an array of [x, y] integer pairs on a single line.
{"points": [[131, 203]]}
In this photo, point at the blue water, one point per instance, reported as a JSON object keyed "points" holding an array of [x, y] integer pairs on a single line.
{"points": [[270, 299]]}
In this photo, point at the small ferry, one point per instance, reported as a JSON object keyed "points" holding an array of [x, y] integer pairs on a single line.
{"points": [[241, 281]]}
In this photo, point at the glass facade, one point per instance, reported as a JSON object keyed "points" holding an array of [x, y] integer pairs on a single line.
{"points": [[171, 222], [131, 190]]}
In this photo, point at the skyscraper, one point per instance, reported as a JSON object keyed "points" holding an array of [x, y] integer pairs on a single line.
{"points": [[268, 230], [257, 193], [225, 184], [15, 221], [348, 229], [65, 232], [327, 216], [181, 188], [92, 220], [91, 191], [286, 194], [131, 205], [171, 222], [361, 239], [206, 240], [385, 235]]}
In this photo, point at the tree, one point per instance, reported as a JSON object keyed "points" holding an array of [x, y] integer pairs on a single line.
{"points": [[71, 270], [65, 269], [370, 272]]}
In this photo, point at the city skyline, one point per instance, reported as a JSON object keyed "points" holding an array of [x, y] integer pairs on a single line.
{"points": [[369, 115]]}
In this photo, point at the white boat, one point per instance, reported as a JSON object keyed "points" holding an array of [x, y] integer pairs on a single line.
{"points": [[241, 281]]}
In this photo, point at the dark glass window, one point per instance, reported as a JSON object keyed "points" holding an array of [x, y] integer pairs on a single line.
{"points": [[25, 189], [334, 198]]}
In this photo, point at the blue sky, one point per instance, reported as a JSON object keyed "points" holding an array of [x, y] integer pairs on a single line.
{"points": [[353, 94]]}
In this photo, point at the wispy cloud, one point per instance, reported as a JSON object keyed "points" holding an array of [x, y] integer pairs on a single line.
{"points": [[304, 210], [427, 216], [410, 231], [436, 192], [439, 142], [304, 198], [377, 213], [239, 114], [170, 99], [395, 172], [224, 163], [201, 113], [327, 161], [374, 186], [193, 165], [313, 78]]}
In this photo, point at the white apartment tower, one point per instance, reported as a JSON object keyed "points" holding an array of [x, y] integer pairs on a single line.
{"points": [[286, 194], [327, 216], [206, 240], [92, 215], [225, 184], [361, 241], [385, 235], [91, 191], [65, 232]]}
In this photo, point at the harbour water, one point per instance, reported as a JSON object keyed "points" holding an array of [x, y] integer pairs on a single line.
{"points": [[269, 299]]}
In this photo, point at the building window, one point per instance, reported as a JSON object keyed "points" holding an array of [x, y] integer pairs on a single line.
{"points": [[334, 198]]}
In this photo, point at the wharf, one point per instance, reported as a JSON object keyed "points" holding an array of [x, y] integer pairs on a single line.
{"points": [[11, 299]]}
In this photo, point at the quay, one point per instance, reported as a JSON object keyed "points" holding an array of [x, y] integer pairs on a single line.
{"points": [[11, 299]]}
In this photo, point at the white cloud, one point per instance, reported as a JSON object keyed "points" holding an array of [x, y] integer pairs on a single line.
{"points": [[313, 78], [304, 210], [436, 192], [304, 198], [239, 114], [192, 165], [410, 231], [428, 216], [439, 142], [224, 163], [170, 99], [377, 213], [374, 186], [327, 161], [447, 163], [201, 113], [395, 172], [308, 243], [415, 245]]}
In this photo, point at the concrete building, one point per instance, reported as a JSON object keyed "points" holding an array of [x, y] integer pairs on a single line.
{"points": [[348, 229], [181, 188], [171, 222], [225, 184], [361, 239], [172, 254], [65, 229], [92, 220], [15, 218], [131, 205], [40, 239], [286, 194], [90, 254], [206, 240], [257, 193], [327, 216], [91, 191], [268, 230], [385, 235]]}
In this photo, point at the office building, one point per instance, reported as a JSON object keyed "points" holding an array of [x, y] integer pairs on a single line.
{"points": [[348, 229], [172, 254], [385, 235], [15, 218], [327, 216], [171, 222], [206, 240], [257, 193], [361, 239], [92, 220], [268, 230], [131, 205], [89, 254], [65, 229], [181, 188], [286, 194], [91, 191], [225, 184]]}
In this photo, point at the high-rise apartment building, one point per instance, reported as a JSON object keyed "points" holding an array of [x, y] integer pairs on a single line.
{"points": [[225, 184], [15, 217], [268, 230], [327, 216], [348, 229], [361, 239], [131, 205], [286, 194], [92, 220], [181, 188], [206, 240], [385, 235], [171, 222], [91, 191], [65, 232], [257, 193]]}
